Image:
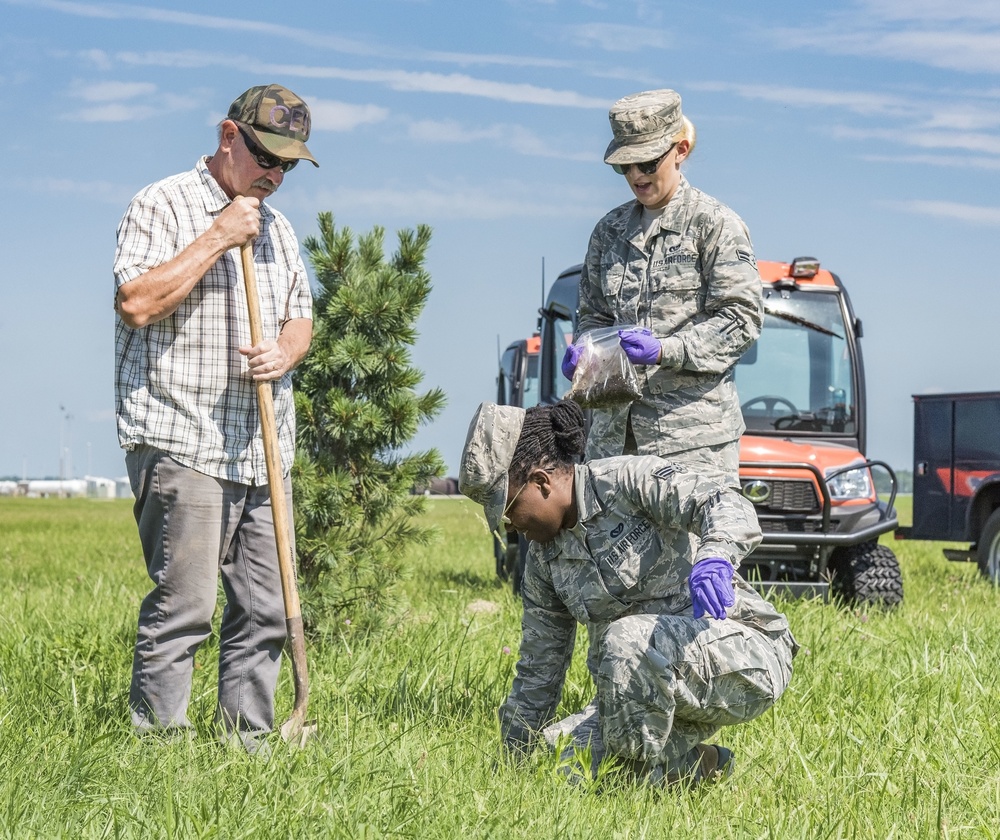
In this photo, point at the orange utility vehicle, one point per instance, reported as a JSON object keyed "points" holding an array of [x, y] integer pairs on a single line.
{"points": [[802, 458]]}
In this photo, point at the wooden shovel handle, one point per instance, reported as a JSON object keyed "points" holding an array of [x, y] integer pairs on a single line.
{"points": [[279, 506]]}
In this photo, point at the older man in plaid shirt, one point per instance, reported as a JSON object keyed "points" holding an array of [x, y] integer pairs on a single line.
{"points": [[187, 415]]}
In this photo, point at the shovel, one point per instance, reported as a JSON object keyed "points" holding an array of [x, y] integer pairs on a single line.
{"points": [[296, 729]]}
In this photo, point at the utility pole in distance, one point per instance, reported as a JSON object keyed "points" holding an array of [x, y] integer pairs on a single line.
{"points": [[64, 421]]}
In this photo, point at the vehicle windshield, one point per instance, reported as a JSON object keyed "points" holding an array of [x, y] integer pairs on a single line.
{"points": [[518, 380], [530, 396], [799, 376], [560, 336]]}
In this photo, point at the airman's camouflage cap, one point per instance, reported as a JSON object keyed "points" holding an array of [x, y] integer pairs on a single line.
{"points": [[278, 120], [644, 126], [489, 449]]}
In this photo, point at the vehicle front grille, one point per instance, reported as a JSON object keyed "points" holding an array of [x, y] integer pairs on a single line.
{"points": [[789, 496], [784, 526]]}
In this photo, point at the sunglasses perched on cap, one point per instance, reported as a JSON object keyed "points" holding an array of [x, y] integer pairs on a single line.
{"points": [[265, 160], [646, 168]]}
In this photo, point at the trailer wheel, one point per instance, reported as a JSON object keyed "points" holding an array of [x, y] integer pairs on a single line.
{"points": [[988, 549], [867, 573]]}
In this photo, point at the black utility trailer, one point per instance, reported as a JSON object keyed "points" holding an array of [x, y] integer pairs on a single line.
{"points": [[956, 476]]}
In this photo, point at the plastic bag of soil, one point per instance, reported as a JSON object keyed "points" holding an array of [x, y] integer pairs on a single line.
{"points": [[604, 376]]}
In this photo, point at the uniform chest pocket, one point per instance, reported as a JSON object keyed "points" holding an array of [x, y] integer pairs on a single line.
{"points": [[623, 574], [612, 277], [628, 558], [675, 271]]}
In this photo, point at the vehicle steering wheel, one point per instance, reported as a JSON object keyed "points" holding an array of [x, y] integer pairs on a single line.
{"points": [[770, 402]]}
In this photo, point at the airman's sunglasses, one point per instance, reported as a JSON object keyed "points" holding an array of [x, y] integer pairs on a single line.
{"points": [[646, 168]]}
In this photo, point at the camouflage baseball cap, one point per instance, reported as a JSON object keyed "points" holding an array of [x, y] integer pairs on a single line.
{"points": [[489, 449], [644, 126], [278, 120]]}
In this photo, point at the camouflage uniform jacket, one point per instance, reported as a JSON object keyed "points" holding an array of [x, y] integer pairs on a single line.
{"points": [[693, 281], [628, 554]]}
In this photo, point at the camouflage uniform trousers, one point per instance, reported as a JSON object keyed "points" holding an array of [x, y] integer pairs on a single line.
{"points": [[666, 683]]}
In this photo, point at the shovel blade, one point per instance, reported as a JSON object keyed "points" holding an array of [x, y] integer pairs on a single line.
{"points": [[296, 731]]}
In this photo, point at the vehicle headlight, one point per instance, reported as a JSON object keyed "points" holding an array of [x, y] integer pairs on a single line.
{"points": [[853, 484]]}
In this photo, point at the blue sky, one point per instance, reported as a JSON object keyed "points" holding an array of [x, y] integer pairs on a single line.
{"points": [[865, 133]]}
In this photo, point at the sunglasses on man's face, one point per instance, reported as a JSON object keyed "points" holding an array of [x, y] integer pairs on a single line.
{"points": [[265, 160], [646, 168]]}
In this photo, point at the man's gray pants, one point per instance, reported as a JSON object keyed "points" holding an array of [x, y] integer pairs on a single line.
{"points": [[192, 528]]}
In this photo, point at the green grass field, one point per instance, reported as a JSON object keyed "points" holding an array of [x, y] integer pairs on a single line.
{"points": [[888, 730]]}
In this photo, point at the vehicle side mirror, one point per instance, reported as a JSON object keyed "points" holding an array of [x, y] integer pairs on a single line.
{"points": [[558, 310]]}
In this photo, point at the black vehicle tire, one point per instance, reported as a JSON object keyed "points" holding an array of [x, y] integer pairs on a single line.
{"points": [[988, 549], [867, 573]]}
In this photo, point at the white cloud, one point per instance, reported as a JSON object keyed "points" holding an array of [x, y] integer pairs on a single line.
{"points": [[106, 109], [111, 112], [476, 59], [966, 141], [963, 116], [858, 102], [330, 115], [437, 202], [400, 80], [953, 161], [516, 138], [99, 58], [963, 35], [971, 52], [613, 37], [944, 109], [446, 131], [933, 120], [309, 37], [974, 214], [983, 11], [113, 91], [649, 11], [103, 191]]}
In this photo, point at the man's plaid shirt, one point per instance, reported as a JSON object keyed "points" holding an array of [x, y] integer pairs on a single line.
{"points": [[181, 384]]}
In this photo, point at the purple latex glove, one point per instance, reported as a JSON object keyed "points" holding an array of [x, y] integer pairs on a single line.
{"points": [[571, 359], [711, 585], [641, 346]]}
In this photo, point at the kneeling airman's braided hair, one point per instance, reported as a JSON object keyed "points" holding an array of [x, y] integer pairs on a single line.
{"points": [[552, 436]]}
